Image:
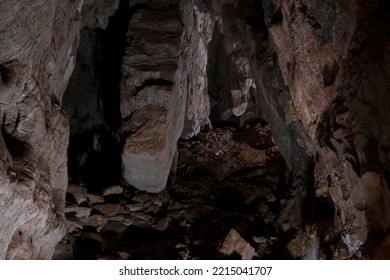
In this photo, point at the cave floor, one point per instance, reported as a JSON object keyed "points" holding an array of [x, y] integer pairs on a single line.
{"points": [[222, 203]]}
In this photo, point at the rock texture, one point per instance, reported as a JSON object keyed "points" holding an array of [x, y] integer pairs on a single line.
{"points": [[224, 203], [316, 71], [39, 41], [152, 103], [333, 80]]}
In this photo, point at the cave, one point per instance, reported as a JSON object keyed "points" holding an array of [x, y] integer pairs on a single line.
{"points": [[194, 129], [92, 103]]}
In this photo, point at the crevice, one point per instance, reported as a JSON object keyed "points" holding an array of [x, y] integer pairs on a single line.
{"points": [[6, 74], [330, 74], [154, 82], [17, 148], [111, 50], [92, 101], [276, 17]]}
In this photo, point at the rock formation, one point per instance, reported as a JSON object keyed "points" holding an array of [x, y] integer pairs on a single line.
{"points": [[95, 86], [39, 42], [152, 102]]}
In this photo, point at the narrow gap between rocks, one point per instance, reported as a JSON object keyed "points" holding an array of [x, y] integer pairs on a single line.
{"points": [[92, 103]]}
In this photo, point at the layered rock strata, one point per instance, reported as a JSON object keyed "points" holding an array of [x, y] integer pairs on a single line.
{"points": [[152, 102], [39, 41]]}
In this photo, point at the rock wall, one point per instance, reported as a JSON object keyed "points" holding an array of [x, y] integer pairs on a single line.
{"points": [[321, 71], [317, 72], [39, 41], [335, 65]]}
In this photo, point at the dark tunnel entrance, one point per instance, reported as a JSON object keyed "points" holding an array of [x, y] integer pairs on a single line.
{"points": [[92, 103]]}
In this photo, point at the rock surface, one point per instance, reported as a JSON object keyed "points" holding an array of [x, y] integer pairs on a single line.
{"points": [[333, 82], [192, 217], [316, 71], [152, 102], [234, 243], [39, 41]]}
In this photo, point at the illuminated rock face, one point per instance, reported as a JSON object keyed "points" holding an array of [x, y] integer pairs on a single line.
{"points": [[317, 71], [39, 41], [152, 99], [329, 116]]}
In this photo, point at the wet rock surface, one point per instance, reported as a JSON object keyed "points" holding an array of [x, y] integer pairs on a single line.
{"points": [[225, 192]]}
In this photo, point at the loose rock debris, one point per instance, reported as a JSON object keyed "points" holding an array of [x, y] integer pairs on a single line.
{"points": [[223, 204]]}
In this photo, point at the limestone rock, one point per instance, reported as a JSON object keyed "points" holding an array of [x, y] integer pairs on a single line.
{"points": [[83, 213], [96, 220], [96, 13], [135, 207], [113, 190], [73, 224], [107, 209], [38, 42], [65, 249], [78, 192], [197, 33], [123, 255], [234, 243], [94, 198], [152, 101], [317, 71]]}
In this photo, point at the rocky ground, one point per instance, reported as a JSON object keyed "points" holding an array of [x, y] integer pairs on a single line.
{"points": [[222, 202]]}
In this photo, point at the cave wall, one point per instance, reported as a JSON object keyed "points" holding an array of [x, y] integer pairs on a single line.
{"points": [[317, 71], [321, 72], [333, 57], [39, 41]]}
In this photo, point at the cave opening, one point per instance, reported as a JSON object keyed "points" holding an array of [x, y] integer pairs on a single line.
{"points": [[229, 181], [91, 101]]}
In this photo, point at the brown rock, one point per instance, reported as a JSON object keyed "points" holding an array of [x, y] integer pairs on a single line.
{"points": [[79, 193], [113, 190], [148, 153], [107, 209], [123, 255], [38, 42], [96, 220], [94, 198], [83, 213], [73, 224], [234, 243], [135, 207]]}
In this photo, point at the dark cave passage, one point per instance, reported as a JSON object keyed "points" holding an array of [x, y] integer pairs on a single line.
{"points": [[227, 179], [282, 108], [92, 102], [232, 182]]}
